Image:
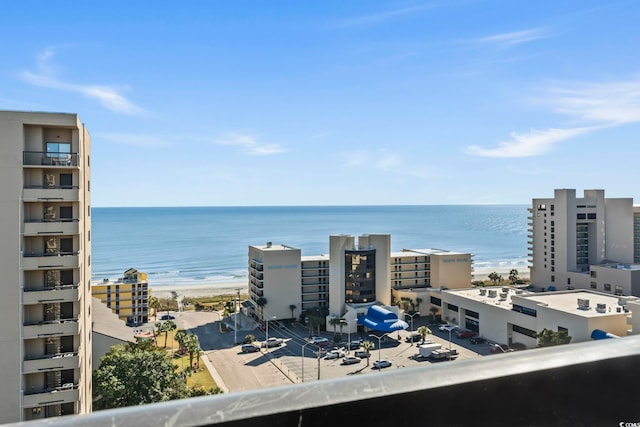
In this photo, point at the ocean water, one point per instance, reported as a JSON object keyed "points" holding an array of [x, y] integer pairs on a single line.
{"points": [[186, 246]]}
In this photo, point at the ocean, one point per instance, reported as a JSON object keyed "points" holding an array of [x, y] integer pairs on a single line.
{"points": [[187, 246]]}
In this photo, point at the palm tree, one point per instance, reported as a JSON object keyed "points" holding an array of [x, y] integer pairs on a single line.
{"points": [[154, 303], [367, 346], [495, 278], [423, 331], [180, 336], [164, 328], [418, 302], [434, 311], [292, 307], [192, 345], [335, 321], [513, 277], [314, 321]]}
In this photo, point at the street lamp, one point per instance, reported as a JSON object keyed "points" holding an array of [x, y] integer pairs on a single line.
{"points": [[379, 347], [302, 358], [266, 343], [411, 316]]}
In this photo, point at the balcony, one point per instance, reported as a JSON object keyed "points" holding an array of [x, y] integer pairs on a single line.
{"points": [[51, 328], [37, 193], [42, 158], [35, 261], [592, 383], [37, 227], [65, 293], [49, 363], [67, 393]]}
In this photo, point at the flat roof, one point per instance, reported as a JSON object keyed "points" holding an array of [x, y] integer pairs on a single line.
{"points": [[422, 252], [496, 297], [567, 301]]}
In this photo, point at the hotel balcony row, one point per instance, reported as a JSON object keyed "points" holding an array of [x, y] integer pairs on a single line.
{"points": [[41, 193], [42, 158], [51, 328], [60, 226], [51, 260], [66, 393], [51, 362], [62, 293]]}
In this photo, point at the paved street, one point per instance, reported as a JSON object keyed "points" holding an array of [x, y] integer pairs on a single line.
{"points": [[284, 365]]}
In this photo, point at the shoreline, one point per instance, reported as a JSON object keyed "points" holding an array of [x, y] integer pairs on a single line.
{"points": [[231, 288]]}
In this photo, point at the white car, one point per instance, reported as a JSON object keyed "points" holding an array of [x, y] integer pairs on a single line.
{"points": [[380, 364], [317, 340], [350, 360], [335, 354], [272, 342]]}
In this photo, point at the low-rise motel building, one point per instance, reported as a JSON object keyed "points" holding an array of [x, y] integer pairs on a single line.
{"points": [[127, 297]]}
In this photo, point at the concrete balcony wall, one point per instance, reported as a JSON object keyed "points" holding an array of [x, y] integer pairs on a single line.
{"points": [[51, 397], [51, 295], [49, 194], [69, 327], [49, 262], [65, 361], [54, 227]]}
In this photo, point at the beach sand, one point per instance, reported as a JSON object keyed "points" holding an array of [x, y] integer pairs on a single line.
{"points": [[231, 288]]}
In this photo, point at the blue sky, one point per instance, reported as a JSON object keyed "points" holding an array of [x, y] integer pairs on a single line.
{"points": [[240, 103]]}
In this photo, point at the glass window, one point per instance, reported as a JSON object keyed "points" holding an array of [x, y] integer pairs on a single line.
{"points": [[58, 150]]}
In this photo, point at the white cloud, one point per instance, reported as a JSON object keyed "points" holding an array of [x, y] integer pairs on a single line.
{"points": [[110, 97], [508, 40], [381, 160], [595, 105], [250, 144], [534, 143]]}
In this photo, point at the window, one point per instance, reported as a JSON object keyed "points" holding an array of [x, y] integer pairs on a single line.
{"points": [[565, 330], [525, 310], [618, 290], [58, 150], [553, 278], [594, 285], [524, 331], [436, 301], [607, 287], [473, 314], [593, 274], [452, 307]]}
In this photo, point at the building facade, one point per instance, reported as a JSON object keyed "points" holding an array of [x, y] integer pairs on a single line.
{"points": [[46, 265], [128, 297], [356, 274], [588, 242]]}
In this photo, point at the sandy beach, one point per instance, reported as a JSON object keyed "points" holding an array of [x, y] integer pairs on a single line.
{"points": [[231, 288]]}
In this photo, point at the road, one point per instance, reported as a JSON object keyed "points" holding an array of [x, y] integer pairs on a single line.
{"points": [[236, 371]]}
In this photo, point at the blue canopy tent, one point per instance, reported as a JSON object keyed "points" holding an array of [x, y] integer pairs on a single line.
{"points": [[599, 334], [381, 319]]}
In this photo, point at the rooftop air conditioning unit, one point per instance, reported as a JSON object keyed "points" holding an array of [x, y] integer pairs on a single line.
{"points": [[601, 308], [492, 293], [583, 304]]}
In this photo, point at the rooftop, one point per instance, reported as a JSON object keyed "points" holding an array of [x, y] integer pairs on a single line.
{"points": [[583, 303]]}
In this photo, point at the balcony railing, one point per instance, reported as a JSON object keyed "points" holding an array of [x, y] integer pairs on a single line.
{"points": [[593, 383], [41, 158]]}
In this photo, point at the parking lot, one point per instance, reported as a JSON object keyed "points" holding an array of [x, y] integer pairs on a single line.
{"points": [[285, 364]]}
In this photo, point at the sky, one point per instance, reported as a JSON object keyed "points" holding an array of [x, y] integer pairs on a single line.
{"points": [[335, 102]]}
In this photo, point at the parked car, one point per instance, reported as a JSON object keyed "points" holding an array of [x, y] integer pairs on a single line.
{"points": [[381, 364], [335, 354], [362, 354], [445, 328], [350, 360], [167, 317], [354, 345], [465, 334], [501, 348], [317, 340], [413, 338], [477, 340], [249, 348], [272, 342]]}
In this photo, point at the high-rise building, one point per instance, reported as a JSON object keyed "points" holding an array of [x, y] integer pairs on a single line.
{"points": [[45, 229], [588, 242]]}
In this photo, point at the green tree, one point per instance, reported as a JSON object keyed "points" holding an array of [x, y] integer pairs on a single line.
{"points": [[192, 344], [180, 336], [549, 337], [423, 331], [367, 346], [154, 303], [249, 338], [434, 310], [495, 278], [129, 376], [418, 302], [513, 277], [335, 322], [165, 328]]}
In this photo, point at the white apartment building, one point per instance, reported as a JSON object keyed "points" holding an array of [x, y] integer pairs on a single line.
{"points": [[589, 242], [45, 345], [356, 274], [510, 315]]}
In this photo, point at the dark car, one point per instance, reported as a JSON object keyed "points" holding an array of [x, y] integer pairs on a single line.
{"points": [[249, 348], [477, 340], [413, 338], [465, 334], [167, 317]]}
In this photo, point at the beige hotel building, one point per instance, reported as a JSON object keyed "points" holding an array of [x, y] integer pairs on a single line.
{"points": [[45, 345]]}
